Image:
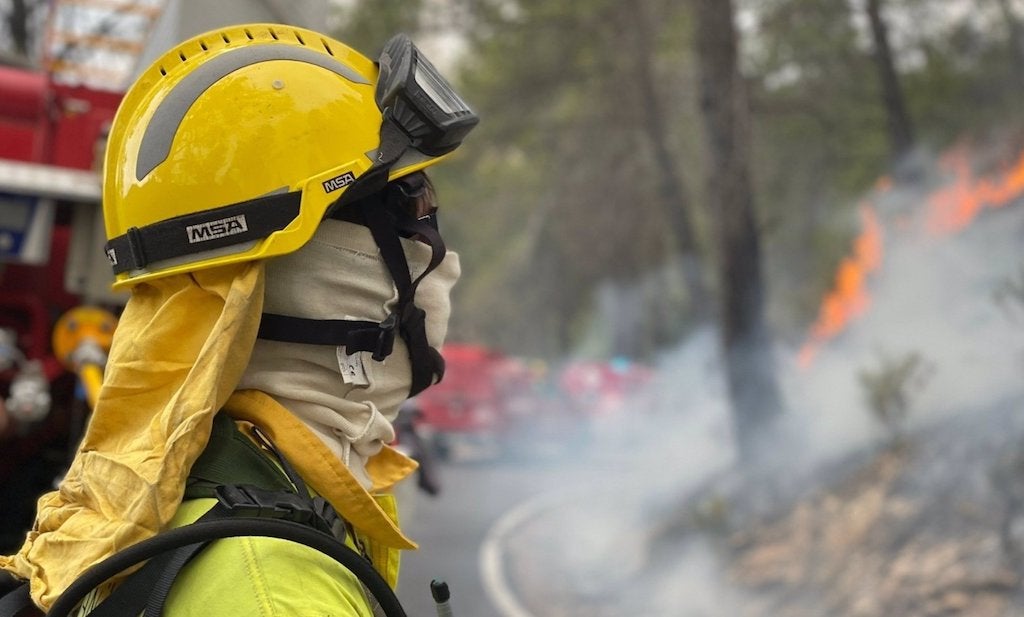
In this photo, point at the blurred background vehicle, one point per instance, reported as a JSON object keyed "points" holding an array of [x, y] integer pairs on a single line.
{"points": [[491, 405], [465, 412]]}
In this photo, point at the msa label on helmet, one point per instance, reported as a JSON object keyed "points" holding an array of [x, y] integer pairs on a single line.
{"points": [[112, 257], [339, 182], [216, 229]]}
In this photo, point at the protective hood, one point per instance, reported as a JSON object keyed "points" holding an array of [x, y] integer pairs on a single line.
{"points": [[181, 346]]}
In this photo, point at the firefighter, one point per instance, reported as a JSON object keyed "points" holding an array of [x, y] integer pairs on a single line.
{"points": [[266, 204]]}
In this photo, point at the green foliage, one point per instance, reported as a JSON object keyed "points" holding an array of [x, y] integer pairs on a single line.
{"points": [[561, 171], [819, 126], [711, 514], [819, 139], [1009, 295], [366, 26], [889, 389], [556, 192]]}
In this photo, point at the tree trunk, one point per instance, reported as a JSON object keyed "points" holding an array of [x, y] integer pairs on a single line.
{"points": [[1016, 34], [746, 346], [671, 187], [901, 131], [17, 23]]}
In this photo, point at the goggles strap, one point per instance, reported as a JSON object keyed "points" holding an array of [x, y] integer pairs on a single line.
{"points": [[393, 142]]}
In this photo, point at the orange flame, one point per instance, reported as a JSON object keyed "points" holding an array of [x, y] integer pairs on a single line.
{"points": [[948, 210], [954, 207], [848, 298]]}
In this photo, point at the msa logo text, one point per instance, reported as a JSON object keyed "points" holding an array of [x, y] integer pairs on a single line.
{"points": [[216, 229], [338, 182]]}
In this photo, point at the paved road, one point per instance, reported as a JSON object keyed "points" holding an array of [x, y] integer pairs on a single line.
{"points": [[451, 528], [588, 507]]}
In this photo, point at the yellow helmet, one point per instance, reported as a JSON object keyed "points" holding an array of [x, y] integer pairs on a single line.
{"points": [[234, 145]]}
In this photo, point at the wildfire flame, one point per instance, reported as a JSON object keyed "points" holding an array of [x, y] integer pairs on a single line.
{"points": [[849, 296], [947, 211], [952, 208]]}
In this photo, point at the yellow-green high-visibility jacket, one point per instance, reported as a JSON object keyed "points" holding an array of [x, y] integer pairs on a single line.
{"points": [[268, 577]]}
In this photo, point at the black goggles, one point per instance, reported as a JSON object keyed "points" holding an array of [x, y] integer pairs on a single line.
{"points": [[414, 95]]}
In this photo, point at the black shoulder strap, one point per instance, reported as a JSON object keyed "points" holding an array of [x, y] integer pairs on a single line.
{"points": [[18, 603], [206, 531], [150, 587], [276, 511]]}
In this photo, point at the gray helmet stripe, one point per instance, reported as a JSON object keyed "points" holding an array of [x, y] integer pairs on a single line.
{"points": [[156, 142]]}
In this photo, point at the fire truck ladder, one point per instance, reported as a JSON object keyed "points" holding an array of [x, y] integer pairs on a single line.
{"points": [[97, 43]]}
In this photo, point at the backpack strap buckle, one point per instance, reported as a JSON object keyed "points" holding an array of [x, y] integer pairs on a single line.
{"points": [[385, 337], [251, 501]]}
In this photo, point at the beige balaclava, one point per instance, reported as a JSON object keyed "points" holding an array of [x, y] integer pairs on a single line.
{"points": [[349, 401]]}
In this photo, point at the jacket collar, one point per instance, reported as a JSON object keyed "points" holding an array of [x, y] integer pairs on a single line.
{"points": [[324, 472]]}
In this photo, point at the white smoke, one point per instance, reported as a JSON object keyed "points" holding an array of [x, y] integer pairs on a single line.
{"points": [[934, 296]]}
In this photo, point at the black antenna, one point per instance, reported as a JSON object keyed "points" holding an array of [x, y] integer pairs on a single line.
{"points": [[439, 589]]}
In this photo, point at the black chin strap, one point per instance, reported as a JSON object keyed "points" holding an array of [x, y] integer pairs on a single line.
{"points": [[386, 224], [387, 221]]}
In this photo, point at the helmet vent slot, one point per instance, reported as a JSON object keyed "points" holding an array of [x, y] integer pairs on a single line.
{"points": [[298, 37], [327, 47], [248, 34], [203, 45], [273, 34], [181, 55], [163, 71], [224, 36]]}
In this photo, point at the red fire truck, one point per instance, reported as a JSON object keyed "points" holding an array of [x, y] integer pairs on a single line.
{"points": [[51, 140], [491, 405], [463, 414]]}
